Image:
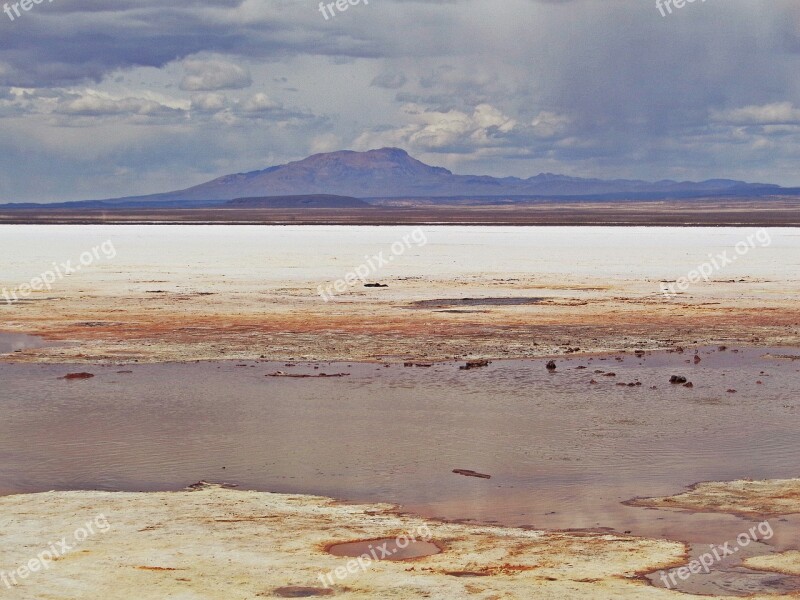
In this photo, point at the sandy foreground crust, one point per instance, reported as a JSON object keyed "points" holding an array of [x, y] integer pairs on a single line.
{"points": [[747, 498], [785, 562], [226, 544]]}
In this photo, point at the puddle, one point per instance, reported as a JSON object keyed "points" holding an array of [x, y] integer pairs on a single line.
{"points": [[448, 302], [734, 581], [386, 549], [13, 342], [302, 592]]}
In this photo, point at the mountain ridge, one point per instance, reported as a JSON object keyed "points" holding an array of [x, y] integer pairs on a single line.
{"points": [[392, 173]]}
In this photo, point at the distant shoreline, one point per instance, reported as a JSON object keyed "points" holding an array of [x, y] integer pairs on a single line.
{"points": [[783, 212]]}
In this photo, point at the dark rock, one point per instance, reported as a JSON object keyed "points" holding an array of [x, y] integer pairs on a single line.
{"points": [[677, 379], [72, 376], [303, 376], [475, 364], [206, 485], [551, 365], [468, 473]]}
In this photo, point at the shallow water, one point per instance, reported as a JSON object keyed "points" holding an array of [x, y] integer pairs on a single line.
{"points": [[386, 549], [562, 452], [16, 342]]}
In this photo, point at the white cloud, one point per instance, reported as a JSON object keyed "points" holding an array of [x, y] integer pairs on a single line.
{"points": [[211, 75], [778, 113], [209, 102], [92, 103], [440, 130], [549, 124], [326, 142], [259, 103]]}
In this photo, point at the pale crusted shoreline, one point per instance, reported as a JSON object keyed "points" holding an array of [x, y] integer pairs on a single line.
{"points": [[226, 544], [784, 562], [745, 498], [219, 543]]}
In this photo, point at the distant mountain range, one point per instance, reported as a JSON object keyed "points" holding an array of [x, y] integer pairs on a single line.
{"points": [[389, 173]]}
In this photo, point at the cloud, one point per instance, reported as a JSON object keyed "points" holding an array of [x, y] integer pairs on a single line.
{"points": [[445, 131], [778, 113], [211, 75], [259, 103], [209, 102], [94, 104], [548, 124], [390, 80], [173, 92], [326, 142]]}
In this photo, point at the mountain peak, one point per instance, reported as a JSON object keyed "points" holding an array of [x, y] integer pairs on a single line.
{"points": [[391, 152]]}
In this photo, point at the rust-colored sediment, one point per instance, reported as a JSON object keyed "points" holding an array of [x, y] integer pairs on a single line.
{"points": [[111, 322]]}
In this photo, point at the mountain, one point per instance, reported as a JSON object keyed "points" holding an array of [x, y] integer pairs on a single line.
{"points": [[392, 173]]}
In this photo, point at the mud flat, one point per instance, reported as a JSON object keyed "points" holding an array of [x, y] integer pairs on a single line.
{"points": [[479, 292], [565, 446], [769, 212]]}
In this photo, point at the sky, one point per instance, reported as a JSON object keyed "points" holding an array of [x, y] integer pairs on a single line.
{"points": [[109, 98]]}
